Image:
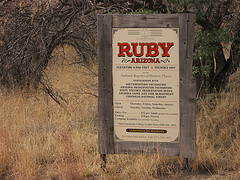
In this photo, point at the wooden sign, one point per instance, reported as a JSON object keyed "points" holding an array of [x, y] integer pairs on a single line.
{"points": [[146, 89]]}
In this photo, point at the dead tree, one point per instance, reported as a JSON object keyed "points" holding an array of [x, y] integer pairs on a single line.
{"points": [[31, 30]]}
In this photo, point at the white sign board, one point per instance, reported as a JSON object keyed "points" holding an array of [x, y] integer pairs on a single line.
{"points": [[145, 68]]}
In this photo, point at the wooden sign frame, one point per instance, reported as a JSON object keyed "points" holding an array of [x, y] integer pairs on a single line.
{"points": [[186, 146]]}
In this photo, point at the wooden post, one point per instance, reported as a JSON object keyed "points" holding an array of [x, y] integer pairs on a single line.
{"points": [[105, 90], [103, 161], [187, 87], [185, 165]]}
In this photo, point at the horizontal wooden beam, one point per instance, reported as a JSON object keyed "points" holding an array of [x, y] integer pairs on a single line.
{"points": [[147, 148], [145, 21]]}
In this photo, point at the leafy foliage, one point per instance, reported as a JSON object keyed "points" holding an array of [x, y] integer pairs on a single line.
{"points": [[217, 23]]}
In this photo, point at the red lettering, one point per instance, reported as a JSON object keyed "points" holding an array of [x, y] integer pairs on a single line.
{"points": [[165, 49], [133, 60], [145, 60], [124, 47], [157, 61], [134, 45], [150, 49]]}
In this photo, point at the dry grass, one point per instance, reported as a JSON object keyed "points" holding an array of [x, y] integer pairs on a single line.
{"points": [[218, 133], [41, 140]]}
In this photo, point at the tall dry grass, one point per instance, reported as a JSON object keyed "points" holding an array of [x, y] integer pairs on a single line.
{"points": [[40, 139]]}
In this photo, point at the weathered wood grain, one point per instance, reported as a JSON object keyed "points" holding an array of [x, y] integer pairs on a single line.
{"points": [[105, 91], [187, 87], [146, 21], [147, 148]]}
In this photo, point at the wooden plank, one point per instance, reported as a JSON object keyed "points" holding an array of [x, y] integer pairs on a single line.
{"points": [[187, 87], [105, 91], [147, 148], [146, 21]]}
